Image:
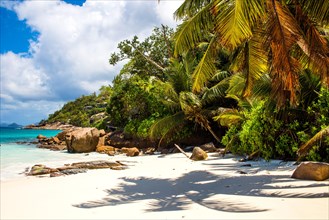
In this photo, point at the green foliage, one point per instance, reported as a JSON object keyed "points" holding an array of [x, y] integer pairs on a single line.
{"points": [[141, 128], [273, 135], [219, 68], [134, 99], [149, 57], [231, 138], [257, 133], [166, 128], [319, 112], [320, 108], [80, 111]]}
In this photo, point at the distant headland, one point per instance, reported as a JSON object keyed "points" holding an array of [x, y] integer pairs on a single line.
{"points": [[12, 125], [51, 126]]}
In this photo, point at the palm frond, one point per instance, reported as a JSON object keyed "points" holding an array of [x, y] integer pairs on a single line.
{"points": [[236, 84], [190, 103], [314, 46], [305, 148], [168, 95], [262, 87], [190, 7], [255, 61], [216, 92], [250, 59], [243, 103], [220, 75], [235, 20], [310, 86], [318, 10], [229, 117], [164, 125], [206, 67], [283, 34], [192, 31], [180, 78]]}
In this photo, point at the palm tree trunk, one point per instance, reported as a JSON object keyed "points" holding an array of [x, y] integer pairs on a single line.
{"points": [[305, 148], [213, 133]]}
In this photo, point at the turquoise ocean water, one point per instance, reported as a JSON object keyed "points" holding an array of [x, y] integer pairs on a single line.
{"points": [[15, 158], [11, 135]]}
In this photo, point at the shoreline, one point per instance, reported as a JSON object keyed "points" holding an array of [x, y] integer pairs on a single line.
{"points": [[51, 126], [169, 187]]}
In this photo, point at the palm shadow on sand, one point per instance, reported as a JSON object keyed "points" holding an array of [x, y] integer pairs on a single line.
{"points": [[202, 187]]}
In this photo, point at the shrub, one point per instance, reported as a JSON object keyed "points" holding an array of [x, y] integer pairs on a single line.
{"points": [[279, 134]]}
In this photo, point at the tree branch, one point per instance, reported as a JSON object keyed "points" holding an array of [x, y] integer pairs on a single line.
{"points": [[147, 58]]}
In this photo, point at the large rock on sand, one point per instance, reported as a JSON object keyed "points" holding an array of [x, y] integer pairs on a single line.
{"points": [[82, 140], [198, 154], [312, 171]]}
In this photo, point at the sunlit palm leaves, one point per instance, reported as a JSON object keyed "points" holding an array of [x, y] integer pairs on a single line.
{"points": [[193, 31], [251, 61], [234, 20], [169, 96], [179, 74], [229, 117], [190, 7], [206, 67], [290, 29]]}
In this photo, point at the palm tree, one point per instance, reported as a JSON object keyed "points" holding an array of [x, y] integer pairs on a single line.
{"points": [[279, 37], [186, 106]]}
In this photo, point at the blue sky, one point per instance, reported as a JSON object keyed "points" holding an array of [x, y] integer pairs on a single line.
{"points": [[15, 34], [53, 51]]}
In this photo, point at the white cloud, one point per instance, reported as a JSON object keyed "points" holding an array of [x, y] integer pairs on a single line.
{"points": [[164, 7], [21, 79], [70, 55]]}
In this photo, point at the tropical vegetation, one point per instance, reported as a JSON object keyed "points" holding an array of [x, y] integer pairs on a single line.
{"points": [[84, 111], [251, 75]]}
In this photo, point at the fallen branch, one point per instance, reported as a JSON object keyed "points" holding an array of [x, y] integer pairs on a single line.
{"points": [[182, 151]]}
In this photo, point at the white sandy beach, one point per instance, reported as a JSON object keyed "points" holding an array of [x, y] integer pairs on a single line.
{"points": [[169, 187]]}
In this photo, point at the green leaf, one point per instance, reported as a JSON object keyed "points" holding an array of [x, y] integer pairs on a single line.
{"points": [[206, 67], [192, 31], [229, 117], [235, 20]]}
